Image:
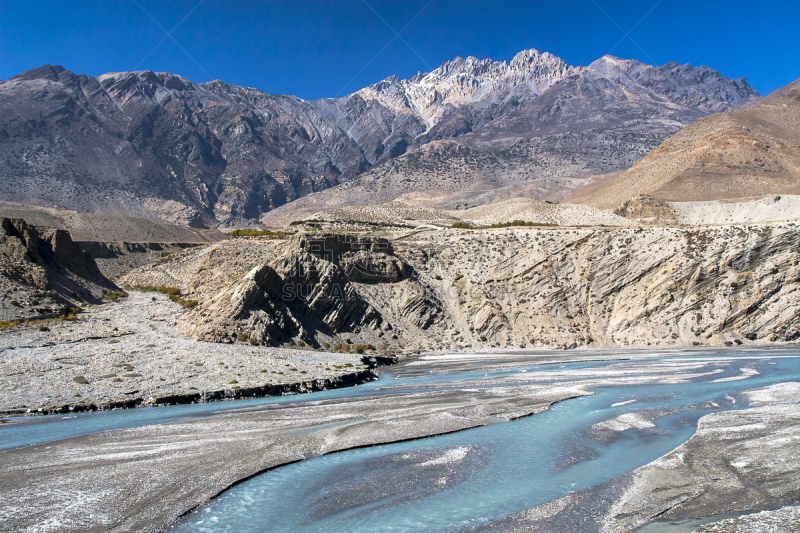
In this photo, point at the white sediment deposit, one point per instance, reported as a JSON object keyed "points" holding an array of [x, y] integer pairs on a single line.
{"points": [[771, 208], [529, 210], [128, 353]]}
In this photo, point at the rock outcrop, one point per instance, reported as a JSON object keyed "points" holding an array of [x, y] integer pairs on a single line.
{"points": [[647, 209], [308, 293], [43, 273]]}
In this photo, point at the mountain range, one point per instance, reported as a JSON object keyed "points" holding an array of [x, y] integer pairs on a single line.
{"points": [[207, 154]]}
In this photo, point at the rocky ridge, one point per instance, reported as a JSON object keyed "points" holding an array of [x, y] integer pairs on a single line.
{"points": [[117, 243]]}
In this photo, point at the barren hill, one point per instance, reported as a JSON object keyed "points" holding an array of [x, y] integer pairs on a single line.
{"points": [[742, 154], [107, 228], [530, 210]]}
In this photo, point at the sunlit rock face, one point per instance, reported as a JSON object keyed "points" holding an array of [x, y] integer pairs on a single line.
{"points": [[551, 288]]}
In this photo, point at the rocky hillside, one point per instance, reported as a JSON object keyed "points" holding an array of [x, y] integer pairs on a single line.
{"points": [[158, 146], [43, 273], [508, 288], [117, 243], [744, 154]]}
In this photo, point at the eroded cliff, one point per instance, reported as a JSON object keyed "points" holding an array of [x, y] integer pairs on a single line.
{"points": [[505, 288]]}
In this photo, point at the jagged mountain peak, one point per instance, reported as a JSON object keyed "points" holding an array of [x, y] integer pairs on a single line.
{"points": [[46, 72], [469, 65], [538, 65], [683, 84], [533, 56], [167, 79]]}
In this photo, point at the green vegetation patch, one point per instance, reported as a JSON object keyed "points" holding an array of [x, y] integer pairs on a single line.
{"points": [[70, 316], [115, 295], [257, 233], [173, 293], [513, 223]]}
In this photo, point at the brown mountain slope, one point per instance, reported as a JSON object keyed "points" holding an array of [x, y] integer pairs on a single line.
{"points": [[761, 100], [729, 155]]}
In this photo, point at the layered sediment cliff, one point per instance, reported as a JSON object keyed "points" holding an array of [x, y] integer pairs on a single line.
{"points": [[506, 288]]}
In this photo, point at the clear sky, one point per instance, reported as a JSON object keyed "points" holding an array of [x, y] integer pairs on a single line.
{"points": [[315, 48]]}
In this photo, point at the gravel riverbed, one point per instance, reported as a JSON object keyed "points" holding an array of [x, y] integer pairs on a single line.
{"points": [[129, 350]]}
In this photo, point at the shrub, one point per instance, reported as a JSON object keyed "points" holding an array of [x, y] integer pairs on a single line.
{"points": [[44, 328], [232, 382], [738, 342], [462, 225], [173, 293], [242, 337], [116, 295], [255, 233], [513, 223], [751, 336], [80, 380]]}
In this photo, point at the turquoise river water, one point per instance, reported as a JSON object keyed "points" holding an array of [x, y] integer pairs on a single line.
{"points": [[507, 467]]}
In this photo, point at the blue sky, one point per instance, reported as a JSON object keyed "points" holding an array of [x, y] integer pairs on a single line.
{"points": [[317, 48]]}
